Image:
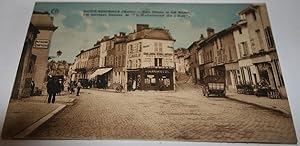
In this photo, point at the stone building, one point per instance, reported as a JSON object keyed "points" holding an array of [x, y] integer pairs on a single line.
{"points": [[71, 73], [25, 70], [81, 64], [214, 55], [119, 69], [256, 48], [181, 60], [103, 72], [58, 69], [149, 61], [44, 23], [93, 59]]}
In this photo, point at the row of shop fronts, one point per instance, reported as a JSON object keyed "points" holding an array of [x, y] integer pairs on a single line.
{"points": [[151, 79], [145, 79], [249, 71]]}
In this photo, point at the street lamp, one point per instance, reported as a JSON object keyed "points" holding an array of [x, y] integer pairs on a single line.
{"points": [[58, 53]]}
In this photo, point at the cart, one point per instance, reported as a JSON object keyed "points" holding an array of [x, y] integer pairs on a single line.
{"points": [[214, 85]]}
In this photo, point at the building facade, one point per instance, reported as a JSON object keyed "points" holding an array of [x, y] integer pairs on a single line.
{"points": [[244, 53], [261, 57], [25, 70], [44, 23], [181, 60], [214, 55], [149, 61], [119, 68], [81, 64], [93, 59]]}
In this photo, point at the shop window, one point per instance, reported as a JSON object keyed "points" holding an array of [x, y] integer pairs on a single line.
{"points": [[249, 73]]}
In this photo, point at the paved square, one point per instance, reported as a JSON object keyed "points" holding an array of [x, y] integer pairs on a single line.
{"points": [[182, 115]]}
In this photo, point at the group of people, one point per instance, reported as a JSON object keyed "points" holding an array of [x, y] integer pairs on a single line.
{"points": [[133, 83], [101, 83], [73, 85], [55, 86]]}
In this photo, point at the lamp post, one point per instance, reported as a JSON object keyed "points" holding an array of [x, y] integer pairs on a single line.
{"points": [[58, 53]]}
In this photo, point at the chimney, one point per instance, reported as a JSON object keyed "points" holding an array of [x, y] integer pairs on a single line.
{"points": [[106, 37], [210, 31], [140, 27], [201, 37], [122, 34]]}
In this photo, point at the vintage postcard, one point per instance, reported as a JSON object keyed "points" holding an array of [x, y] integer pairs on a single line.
{"points": [[150, 71]]}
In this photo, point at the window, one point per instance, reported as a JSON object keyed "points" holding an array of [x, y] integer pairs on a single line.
{"points": [[139, 63], [249, 73], [158, 61], [243, 75], [124, 46], [254, 15], [240, 30], [155, 46], [116, 61], [211, 56], [200, 57], [119, 61], [140, 46], [130, 49], [269, 37], [258, 34], [123, 60], [129, 64], [243, 47], [160, 47], [230, 55]]}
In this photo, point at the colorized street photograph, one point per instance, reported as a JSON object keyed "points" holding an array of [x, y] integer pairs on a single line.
{"points": [[150, 71]]}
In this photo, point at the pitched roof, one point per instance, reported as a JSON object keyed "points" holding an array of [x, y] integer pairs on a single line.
{"points": [[151, 33]]}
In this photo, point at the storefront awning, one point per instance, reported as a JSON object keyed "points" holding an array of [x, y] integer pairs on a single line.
{"points": [[100, 71]]}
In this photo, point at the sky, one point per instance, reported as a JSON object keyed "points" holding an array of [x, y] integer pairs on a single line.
{"points": [[77, 31]]}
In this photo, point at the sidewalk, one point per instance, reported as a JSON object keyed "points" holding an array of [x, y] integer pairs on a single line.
{"points": [[25, 115], [278, 105]]}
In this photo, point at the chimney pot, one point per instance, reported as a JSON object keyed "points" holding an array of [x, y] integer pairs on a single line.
{"points": [[210, 31]]}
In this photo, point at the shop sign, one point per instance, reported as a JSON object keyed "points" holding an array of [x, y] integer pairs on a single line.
{"points": [[41, 44], [157, 71], [134, 55]]}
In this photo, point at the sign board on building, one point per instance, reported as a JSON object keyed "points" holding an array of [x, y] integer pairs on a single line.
{"points": [[41, 44]]}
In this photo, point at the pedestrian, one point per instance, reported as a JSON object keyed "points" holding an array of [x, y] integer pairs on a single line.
{"points": [[59, 86], [105, 84], [79, 86], [134, 85], [32, 86], [52, 89], [129, 84]]}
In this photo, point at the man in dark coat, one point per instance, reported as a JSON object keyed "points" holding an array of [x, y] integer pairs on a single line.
{"points": [[52, 89]]}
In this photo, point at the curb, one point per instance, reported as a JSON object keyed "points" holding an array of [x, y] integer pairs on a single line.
{"points": [[31, 128], [262, 106]]}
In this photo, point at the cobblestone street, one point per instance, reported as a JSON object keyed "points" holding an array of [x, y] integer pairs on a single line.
{"points": [[181, 115]]}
